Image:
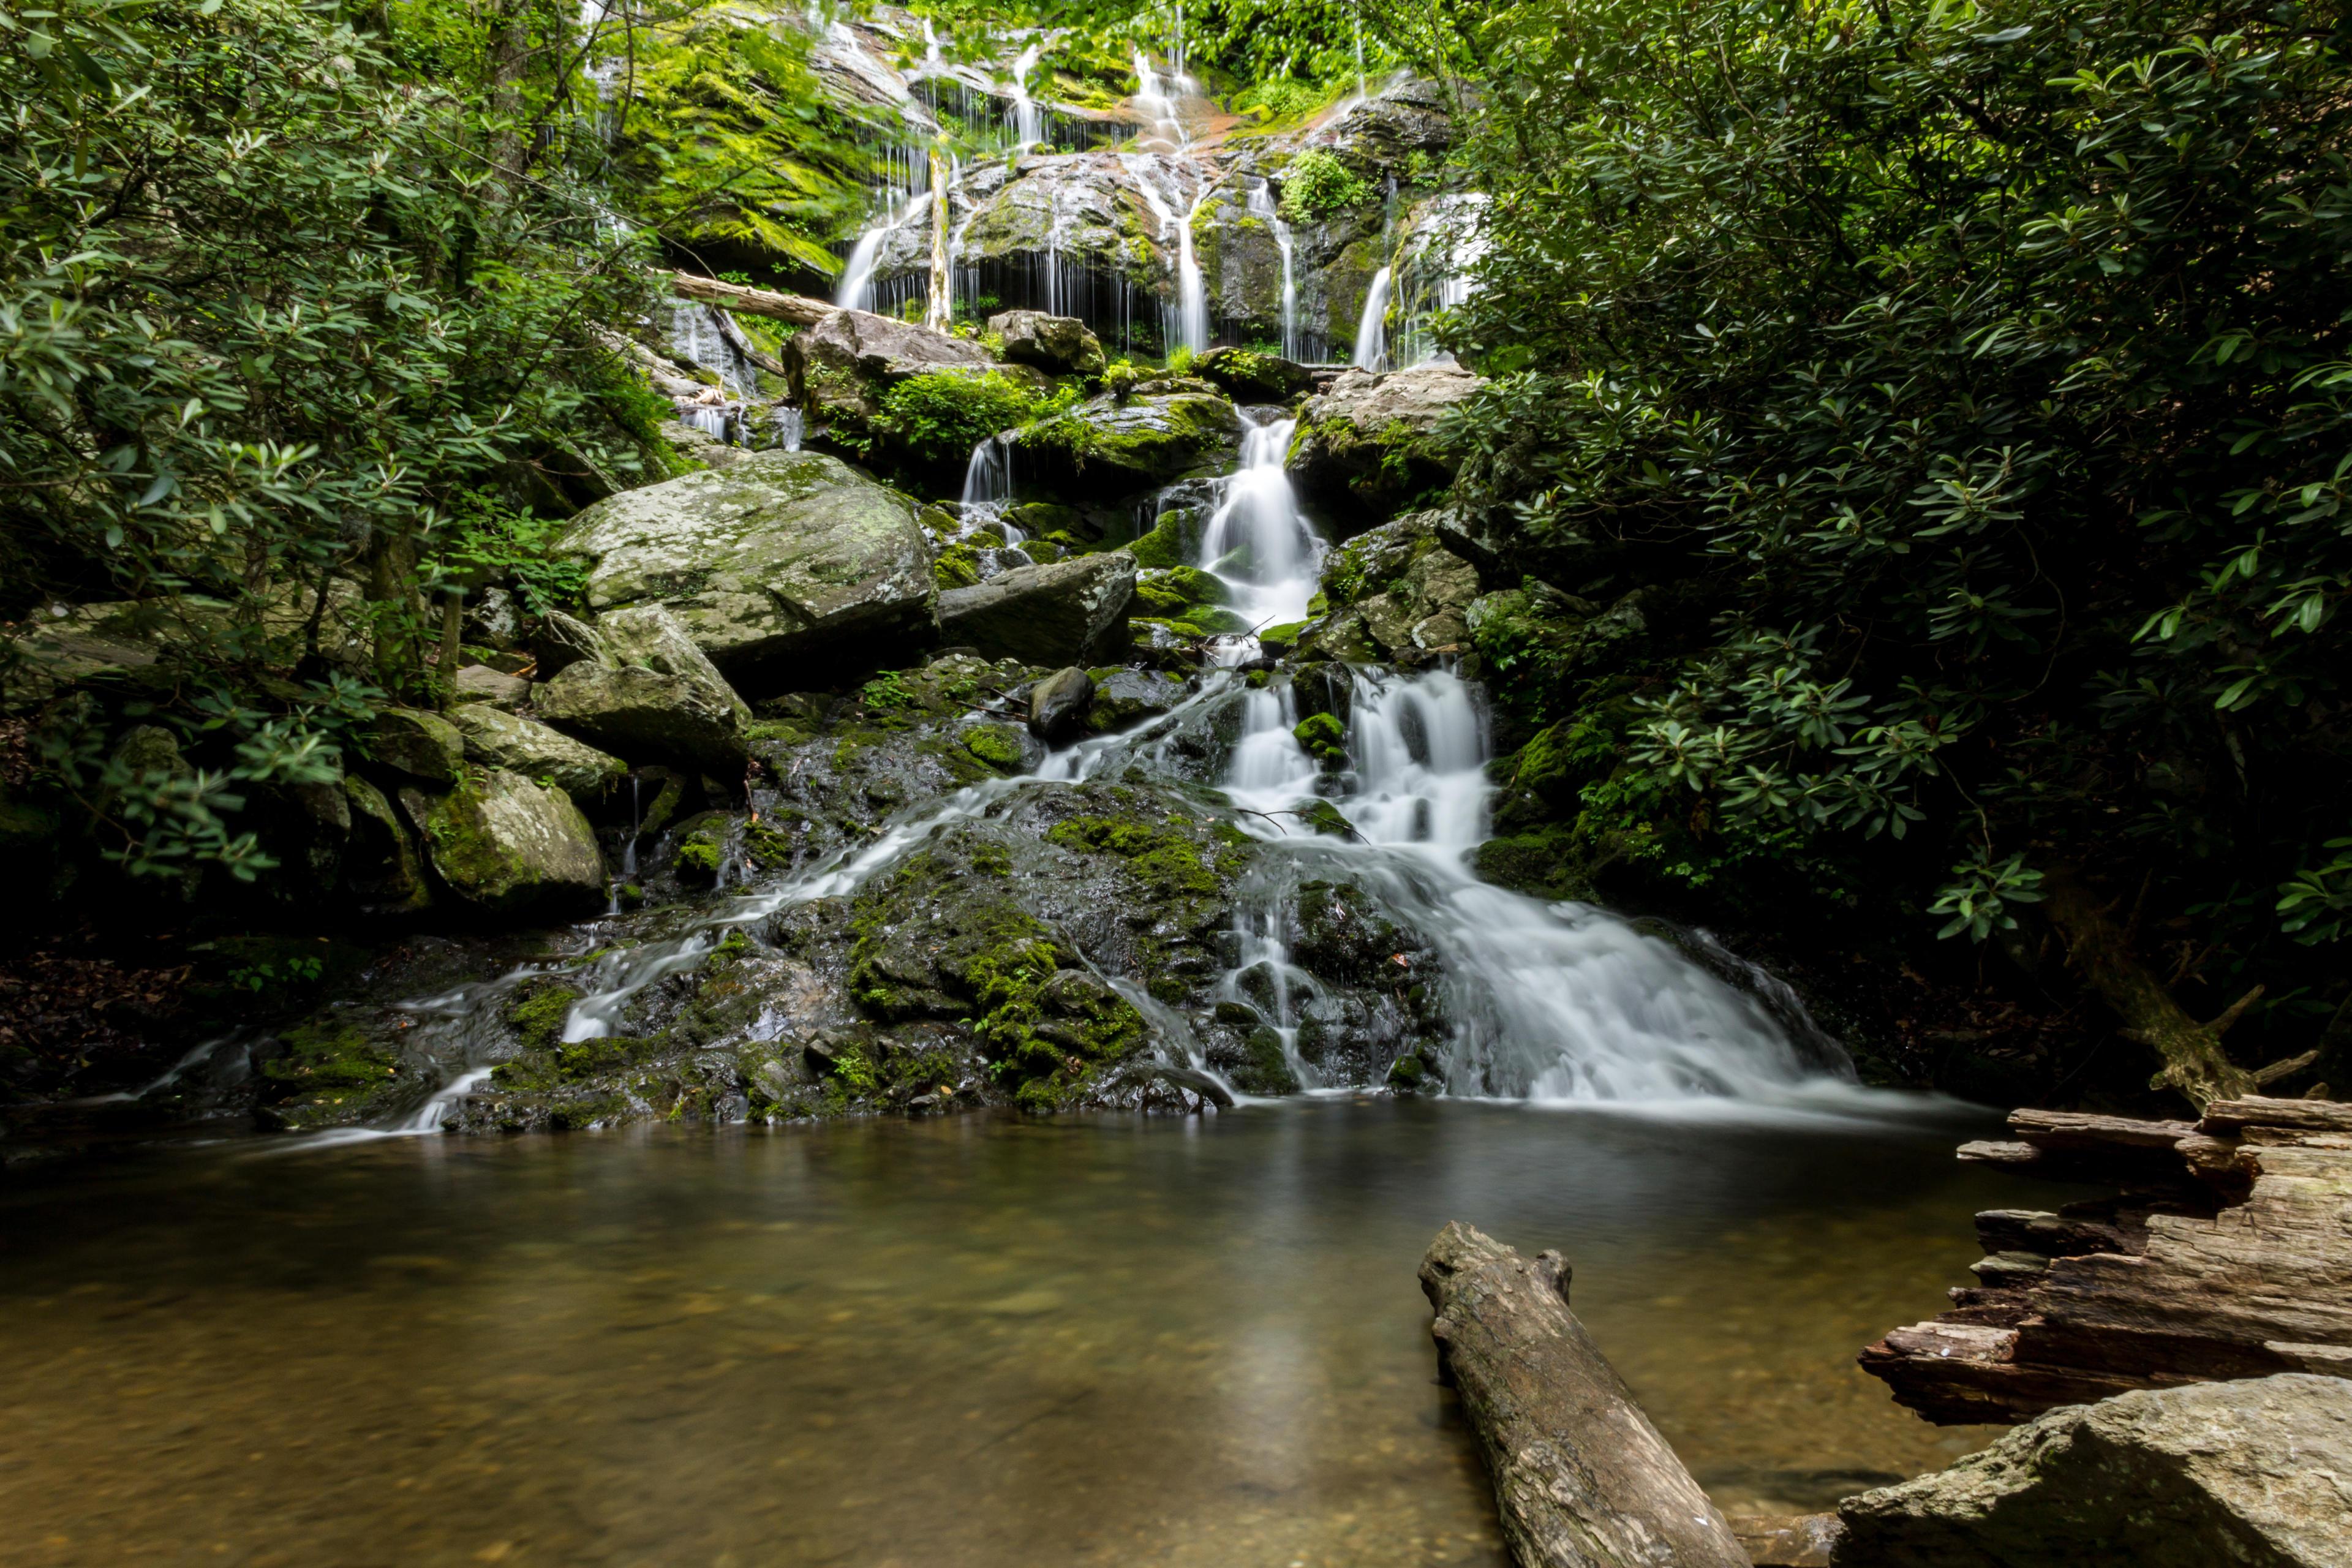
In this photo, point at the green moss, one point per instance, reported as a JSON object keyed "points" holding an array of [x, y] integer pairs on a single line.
{"points": [[566, 1063], [1264, 1069], [324, 1055], [1323, 737], [703, 849], [1164, 546], [1326, 820], [538, 1012], [994, 744], [1164, 859], [1190, 631]]}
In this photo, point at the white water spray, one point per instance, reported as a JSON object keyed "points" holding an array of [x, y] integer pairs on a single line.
{"points": [[1371, 331]]}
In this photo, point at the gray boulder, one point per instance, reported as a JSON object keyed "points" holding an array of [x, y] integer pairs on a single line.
{"points": [[782, 556], [479, 683], [2254, 1474], [1372, 438], [839, 369], [420, 744], [504, 843], [1060, 345], [1071, 612], [1058, 702], [659, 696], [562, 641], [501, 740]]}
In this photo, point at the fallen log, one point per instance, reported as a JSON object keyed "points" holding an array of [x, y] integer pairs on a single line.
{"points": [[1583, 1480], [798, 308], [2229, 1257]]}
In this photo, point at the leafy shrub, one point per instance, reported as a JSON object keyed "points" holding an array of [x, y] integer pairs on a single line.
{"points": [[1316, 185], [937, 418]]}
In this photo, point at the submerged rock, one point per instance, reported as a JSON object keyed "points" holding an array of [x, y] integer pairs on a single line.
{"points": [[781, 557], [2254, 1472], [1071, 612]]}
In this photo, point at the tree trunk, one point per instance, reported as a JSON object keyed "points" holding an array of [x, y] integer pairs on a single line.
{"points": [[1582, 1478], [2194, 1062], [798, 308]]}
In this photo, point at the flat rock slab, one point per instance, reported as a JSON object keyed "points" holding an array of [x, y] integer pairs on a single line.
{"points": [[2257, 1474], [778, 558], [1071, 612], [1583, 1480]]}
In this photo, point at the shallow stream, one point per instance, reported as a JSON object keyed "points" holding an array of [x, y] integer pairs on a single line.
{"points": [[975, 1341]]}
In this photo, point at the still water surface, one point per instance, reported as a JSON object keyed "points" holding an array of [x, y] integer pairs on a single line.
{"points": [[975, 1342]]}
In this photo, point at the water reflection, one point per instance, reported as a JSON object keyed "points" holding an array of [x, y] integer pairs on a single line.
{"points": [[974, 1340]]}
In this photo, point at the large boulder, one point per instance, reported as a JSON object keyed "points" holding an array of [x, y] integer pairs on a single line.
{"points": [[416, 743], [536, 751], [781, 558], [659, 696], [1371, 440], [1395, 592], [504, 843], [839, 369], [1247, 376], [1071, 612], [2255, 1474], [1104, 447], [1060, 345]]}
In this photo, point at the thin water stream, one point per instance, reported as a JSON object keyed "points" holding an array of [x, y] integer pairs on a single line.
{"points": [[971, 1340]]}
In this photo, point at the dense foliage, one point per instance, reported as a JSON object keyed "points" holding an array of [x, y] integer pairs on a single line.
{"points": [[1984, 366], [267, 306]]}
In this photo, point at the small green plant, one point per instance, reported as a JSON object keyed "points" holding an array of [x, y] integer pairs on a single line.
{"points": [[297, 970], [483, 536], [1316, 185]]}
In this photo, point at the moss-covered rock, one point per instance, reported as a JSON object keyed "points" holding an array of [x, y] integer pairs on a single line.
{"points": [[1108, 447], [416, 744], [1371, 440], [538, 752], [502, 842]]}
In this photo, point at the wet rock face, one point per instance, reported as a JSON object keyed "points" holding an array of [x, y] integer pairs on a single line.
{"points": [[781, 557], [1397, 593], [2246, 1472], [1105, 447], [641, 712], [1371, 439], [1072, 612]]}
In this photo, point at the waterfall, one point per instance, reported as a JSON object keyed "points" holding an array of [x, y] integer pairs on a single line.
{"points": [[1154, 99], [1262, 207], [1371, 330], [789, 423], [1552, 1003], [1028, 122], [988, 490], [1257, 543], [1191, 293], [1186, 323]]}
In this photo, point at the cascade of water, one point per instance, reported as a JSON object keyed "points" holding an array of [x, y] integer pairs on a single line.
{"points": [[789, 423], [988, 490], [1185, 322], [1371, 329], [1552, 1002], [1153, 97], [1028, 123], [1257, 543], [1356, 18], [1262, 207]]}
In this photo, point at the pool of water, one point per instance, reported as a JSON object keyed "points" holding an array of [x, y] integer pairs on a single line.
{"points": [[974, 1341]]}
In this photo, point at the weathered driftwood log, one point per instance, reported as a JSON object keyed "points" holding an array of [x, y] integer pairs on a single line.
{"points": [[2229, 1256], [798, 308], [1582, 1478]]}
